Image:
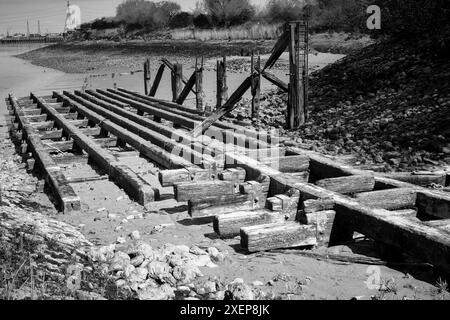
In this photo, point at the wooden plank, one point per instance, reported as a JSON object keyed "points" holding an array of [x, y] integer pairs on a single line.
{"points": [[229, 106], [237, 175], [323, 221], [229, 225], [277, 236], [187, 88], [32, 112], [157, 81], [275, 80], [168, 178], [421, 179], [348, 184], [255, 86], [278, 49], [185, 191], [199, 86], [71, 116], [222, 204], [177, 83], [43, 125], [288, 164], [433, 205], [390, 199], [106, 142], [222, 89], [69, 159], [94, 131], [50, 135], [147, 76], [58, 146], [80, 123]]}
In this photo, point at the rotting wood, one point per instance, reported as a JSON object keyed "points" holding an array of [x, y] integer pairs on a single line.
{"points": [[187, 88], [147, 76], [222, 89], [419, 178], [288, 164], [157, 80], [277, 235], [433, 205], [222, 204], [199, 94], [349, 184], [185, 191], [229, 225], [391, 199]]}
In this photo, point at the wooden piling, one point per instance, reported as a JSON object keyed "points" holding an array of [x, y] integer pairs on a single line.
{"points": [[296, 115], [177, 81], [256, 85], [199, 85], [147, 76], [157, 80], [222, 89]]}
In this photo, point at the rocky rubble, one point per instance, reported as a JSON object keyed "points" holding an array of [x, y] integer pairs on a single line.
{"points": [[387, 104], [149, 273]]}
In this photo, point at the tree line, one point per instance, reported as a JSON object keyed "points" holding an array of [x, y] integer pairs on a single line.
{"points": [[398, 16]]}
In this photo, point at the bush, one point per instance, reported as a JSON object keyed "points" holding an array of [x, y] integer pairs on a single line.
{"points": [[105, 23], [225, 13], [141, 13], [202, 21], [285, 10], [181, 20]]}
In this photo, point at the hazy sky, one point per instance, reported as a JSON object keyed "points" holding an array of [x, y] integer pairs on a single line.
{"points": [[51, 13]]}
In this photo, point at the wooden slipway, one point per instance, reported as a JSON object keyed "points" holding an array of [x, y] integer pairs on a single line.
{"points": [[249, 187]]}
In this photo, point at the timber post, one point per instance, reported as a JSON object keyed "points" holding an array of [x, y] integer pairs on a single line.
{"points": [[222, 89], [177, 81], [147, 76]]}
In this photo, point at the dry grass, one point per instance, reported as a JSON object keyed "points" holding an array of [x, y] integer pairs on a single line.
{"points": [[259, 31]]}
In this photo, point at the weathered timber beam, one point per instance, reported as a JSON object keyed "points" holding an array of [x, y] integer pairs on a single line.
{"points": [[58, 146], [277, 236], [390, 199], [187, 88], [185, 191], [348, 184], [420, 179], [222, 204], [168, 178], [229, 225], [49, 135], [288, 163], [275, 80], [434, 205]]}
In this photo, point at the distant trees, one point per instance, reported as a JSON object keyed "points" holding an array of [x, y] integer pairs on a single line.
{"points": [[225, 13], [181, 20], [141, 13], [286, 10]]}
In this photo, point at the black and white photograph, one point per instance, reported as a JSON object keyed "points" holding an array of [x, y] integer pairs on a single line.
{"points": [[235, 157]]}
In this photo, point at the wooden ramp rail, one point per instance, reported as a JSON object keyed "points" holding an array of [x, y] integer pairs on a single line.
{"points": [[66, 197]]}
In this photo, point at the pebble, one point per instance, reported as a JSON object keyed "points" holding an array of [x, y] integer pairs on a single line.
{"points": [[121, 240], [135, 235]]}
